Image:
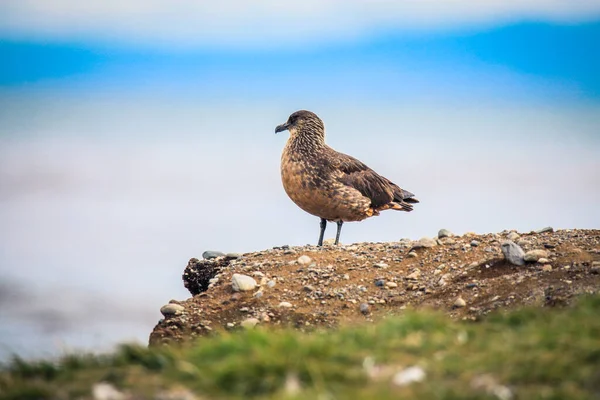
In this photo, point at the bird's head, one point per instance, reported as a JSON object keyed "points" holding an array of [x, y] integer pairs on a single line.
{"points": [[303, 123]]}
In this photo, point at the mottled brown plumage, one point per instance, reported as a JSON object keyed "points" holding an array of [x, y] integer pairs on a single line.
{"points": [[329, 184]]}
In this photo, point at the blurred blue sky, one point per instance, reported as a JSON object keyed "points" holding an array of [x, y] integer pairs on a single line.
{"points": [[135, 135], [560, 57]]}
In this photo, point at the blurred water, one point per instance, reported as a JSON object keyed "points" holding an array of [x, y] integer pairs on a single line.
{"points": [[103, 200]]}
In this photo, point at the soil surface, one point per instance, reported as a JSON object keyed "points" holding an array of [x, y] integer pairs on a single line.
{"points": [[464, 276]]}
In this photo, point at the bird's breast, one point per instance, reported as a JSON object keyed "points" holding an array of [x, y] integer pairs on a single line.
{"points": [[316, 190]]}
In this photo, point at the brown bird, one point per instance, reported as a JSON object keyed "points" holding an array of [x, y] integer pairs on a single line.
{"points": [[331, 185]]}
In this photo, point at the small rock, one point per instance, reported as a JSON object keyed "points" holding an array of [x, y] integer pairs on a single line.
{"points": [[408, 376], [304, 260], [381, 265], [249, 323], [412, 254], [391, 284], [534, 255], [285, 304], [364, 308], [514, 236], [543, 261], [424, 243], [258, 294], [209, 254], [474, 243], [106, 391], [379, 282], [459, 303], [547, 268], [171, 309], [414, 275], [447, 241], [271, 283], [443, 233], [546, 229], [309, 288], [176, 394], [233, 256], [242, 283], [329, 242], [513, 253]]}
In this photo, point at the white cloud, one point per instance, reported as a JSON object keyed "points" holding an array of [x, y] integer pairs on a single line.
{"points": [[264, 23]]}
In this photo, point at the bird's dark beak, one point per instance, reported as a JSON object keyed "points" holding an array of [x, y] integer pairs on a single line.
{"points": [[281, 128]]}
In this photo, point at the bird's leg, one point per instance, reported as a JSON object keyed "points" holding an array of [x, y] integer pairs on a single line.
{"points": [[323, 226], [339, 230]]}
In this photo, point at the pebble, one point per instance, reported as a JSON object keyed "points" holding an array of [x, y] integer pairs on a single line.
{"points": [[242, 283], [271, 283], [364, 308], [379, 282], [443, 233], [543, 261], [309, 288], [546, 229], [474, 243], [209, 254], [285, 304], [381, 265], [547, 268], [249, 323], [513, 236], [391, 284], [513, 253], [425, 242], [535, 255], [408, 376], [106, 391], [304, 260], [460, 302], [171, 309], [258, 294], [412, 254], [414, 275], [233, 256]]}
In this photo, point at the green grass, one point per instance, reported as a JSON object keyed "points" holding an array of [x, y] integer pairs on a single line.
{"points": [[529, 353]]}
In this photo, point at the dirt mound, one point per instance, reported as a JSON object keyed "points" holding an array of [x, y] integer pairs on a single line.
{"points": [[309, 287]]}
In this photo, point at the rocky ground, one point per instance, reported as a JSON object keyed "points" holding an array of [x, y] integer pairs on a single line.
{"points": [[308, 287]]}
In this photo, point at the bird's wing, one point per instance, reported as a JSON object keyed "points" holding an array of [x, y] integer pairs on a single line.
{"points": [[369, 183]]}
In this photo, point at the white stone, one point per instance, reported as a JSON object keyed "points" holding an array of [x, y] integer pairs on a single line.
{"points": [[304, 260], [249, 323], [171, 309], [408, 376], [242, 283]]}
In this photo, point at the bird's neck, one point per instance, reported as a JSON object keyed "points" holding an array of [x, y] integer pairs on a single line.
{"points": [[306, 143]]}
